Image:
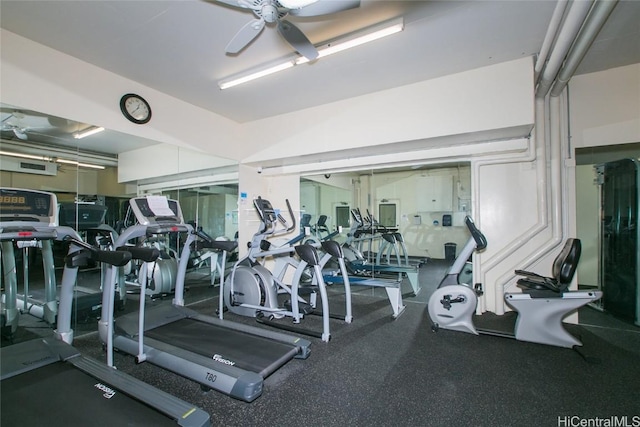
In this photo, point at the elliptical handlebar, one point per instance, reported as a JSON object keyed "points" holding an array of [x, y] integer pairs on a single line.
{"points": [[80, 243], [115, 258], [203, 236], [291, 215], [481, 241]]}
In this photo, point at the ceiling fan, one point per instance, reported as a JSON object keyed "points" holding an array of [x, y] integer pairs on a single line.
{"points": [[273, 12], [26, 125], [14, 125]]}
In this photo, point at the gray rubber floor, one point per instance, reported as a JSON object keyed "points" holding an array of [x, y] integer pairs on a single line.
{"points": [[379, 371]]}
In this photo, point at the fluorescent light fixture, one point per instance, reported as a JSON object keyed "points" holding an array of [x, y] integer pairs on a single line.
{"points": [[49, 159], [358, 38], [328, 48], [87, 132], [256, 74], [84, 165], [26, 156]]}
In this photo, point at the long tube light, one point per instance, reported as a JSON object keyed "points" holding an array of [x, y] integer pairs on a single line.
{"points": [[343, 43], [257, 74], [26, 156], [357, 39], [84, 165], [88, 132], [50, 159], [51, 153]]}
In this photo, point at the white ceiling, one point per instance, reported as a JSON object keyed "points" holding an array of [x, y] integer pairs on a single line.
{"points": [[177, 47]]}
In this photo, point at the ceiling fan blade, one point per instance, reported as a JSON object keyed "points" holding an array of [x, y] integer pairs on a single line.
{"points": [[245, 36], [325, 7], [20, 134], [235, 3], [297, 40]]}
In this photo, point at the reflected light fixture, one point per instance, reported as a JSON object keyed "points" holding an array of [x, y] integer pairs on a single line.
{"points": [[87, 132], [84, 165], [50, 159], [329, 48], [26, 156]]}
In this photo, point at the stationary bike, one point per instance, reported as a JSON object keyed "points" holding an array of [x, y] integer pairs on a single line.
{"points": [[541, 306]]}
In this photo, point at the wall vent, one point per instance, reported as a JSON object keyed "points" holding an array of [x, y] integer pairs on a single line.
{"points": [[38, 167]]}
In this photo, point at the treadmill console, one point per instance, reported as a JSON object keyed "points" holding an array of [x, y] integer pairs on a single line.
{"points": [[85, 216], [18, 204], [157, 212]]}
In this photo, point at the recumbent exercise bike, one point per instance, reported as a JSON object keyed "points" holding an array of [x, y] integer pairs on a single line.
{"points": [[541, 307]]}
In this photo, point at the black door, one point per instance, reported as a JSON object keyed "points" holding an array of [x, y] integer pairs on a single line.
{"points": [[620, 238]]}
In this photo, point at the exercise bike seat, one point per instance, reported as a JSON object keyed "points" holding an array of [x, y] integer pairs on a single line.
{"points": [[546, 301], [563, 270]]}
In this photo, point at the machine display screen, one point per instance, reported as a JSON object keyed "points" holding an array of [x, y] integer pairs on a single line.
{"points": [[85, 216], [154, 209], [18, 203], [147, 212], [265, 210]]}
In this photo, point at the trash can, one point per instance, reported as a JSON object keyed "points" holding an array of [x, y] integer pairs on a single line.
{"points": [[450, 251]]}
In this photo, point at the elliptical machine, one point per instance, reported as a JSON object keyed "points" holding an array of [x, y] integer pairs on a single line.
{"points": [[252, 290], [541, 307]]}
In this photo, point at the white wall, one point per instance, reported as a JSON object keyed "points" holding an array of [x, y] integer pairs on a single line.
{"points": [[475, 102], [163, 160], [605, 107]]}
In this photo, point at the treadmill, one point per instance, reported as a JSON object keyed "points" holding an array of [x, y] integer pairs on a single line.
{"points": [[229, 357], [43, 377], [27, 210], [88, 220]]}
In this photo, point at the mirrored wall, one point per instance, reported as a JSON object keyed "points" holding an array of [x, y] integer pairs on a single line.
{"points": [[426, 204], [41, 152]]}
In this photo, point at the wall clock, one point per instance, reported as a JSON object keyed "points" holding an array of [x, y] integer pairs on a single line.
{"points": [[135, 108]]}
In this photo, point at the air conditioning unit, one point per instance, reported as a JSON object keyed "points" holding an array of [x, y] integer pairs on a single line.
{"points": [[38, 167]]}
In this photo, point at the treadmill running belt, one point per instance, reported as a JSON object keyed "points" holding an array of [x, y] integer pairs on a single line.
{"points": [[62, 395], [249, 352]]}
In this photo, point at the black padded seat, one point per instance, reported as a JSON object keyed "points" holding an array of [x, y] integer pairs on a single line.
{"points": [[563, 270]]}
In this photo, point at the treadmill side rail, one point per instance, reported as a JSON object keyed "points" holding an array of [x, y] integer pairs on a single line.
{"points": [[237, 383], [185, 414]]}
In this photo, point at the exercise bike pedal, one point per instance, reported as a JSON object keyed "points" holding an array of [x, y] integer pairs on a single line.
{"points": [[478, 289]]}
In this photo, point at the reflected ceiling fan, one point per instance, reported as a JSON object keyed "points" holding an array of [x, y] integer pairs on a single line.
{"points": [[273, 12], [32, 126], [12, 123]]}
